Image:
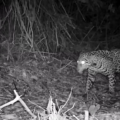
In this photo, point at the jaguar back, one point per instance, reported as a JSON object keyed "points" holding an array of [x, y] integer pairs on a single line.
{"points": [[99, 61]]}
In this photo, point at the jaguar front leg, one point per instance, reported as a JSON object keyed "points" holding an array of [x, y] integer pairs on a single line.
{"points": [[90, 80]]}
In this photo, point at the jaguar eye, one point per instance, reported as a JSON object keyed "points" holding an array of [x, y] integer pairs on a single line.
{"points": [[82, 62]]}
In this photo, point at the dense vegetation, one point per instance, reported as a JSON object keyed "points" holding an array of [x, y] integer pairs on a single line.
{"points": [[65, 27]]}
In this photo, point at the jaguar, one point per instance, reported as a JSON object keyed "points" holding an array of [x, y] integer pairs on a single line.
{"points": [[102, 61]]}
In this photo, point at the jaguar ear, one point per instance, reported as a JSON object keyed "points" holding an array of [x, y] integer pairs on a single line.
{"points": [[94, 64]]}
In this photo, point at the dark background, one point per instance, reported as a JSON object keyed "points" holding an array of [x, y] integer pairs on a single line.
{"points": [[63, 28]]}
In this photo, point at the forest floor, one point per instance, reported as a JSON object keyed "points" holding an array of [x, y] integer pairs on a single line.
{"points": [[38, 80]]}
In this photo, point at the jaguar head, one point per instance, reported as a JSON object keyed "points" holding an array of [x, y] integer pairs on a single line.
{"points": [[82, 63], [87, 61]]}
